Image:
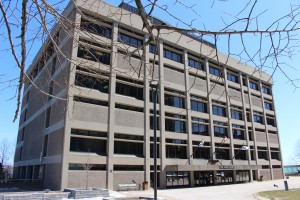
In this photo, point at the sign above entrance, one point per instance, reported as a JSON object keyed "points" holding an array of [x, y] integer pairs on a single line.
{"points": [[226, 167]]}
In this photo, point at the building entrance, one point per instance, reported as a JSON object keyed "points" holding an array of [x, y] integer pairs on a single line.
{"points": [[224, 177], [203, 178]]}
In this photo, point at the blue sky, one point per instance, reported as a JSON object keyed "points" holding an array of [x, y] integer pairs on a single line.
{"points": [[286, 96]]}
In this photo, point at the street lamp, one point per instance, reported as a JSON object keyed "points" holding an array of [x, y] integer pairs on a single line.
{"points": [[154, 85]]}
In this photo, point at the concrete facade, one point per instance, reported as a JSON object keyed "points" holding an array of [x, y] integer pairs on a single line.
{"points": [[96, 130]]}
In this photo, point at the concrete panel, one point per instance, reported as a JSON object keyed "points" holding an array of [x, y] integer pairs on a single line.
{"points": [[266, 173], [246, 97], [129, 63], [235, 95], [92, 113], [81, 179], [53, 176], [273, 138], [129, 118], [58, 111], [173, 76], [217, 90], [277, 173], [197, 83], [256, 101], [33, 135], [55, 143], [126, 177], [261, 137]]}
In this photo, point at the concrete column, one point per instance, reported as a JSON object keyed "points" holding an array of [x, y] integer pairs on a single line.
{"points": [[188, 107], [147, 131], [111, 113], [192, 179], [162, 144], [274, 109], [251, 118], [228, 104], [70, 106], [266, 131], [234, 176], [245, 122], [209, 110], [215, 177]]}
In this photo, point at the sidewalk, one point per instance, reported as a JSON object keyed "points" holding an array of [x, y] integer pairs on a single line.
{"points": [[224, 192]]}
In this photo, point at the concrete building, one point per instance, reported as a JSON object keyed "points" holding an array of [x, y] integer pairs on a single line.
{"points": [[216, 122]]}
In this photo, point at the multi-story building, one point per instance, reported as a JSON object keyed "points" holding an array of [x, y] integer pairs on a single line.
{"points": [[216, 120]]}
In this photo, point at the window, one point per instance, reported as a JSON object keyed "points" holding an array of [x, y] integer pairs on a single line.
{"points": [[236, 113], [48, 116], [199, 129], [239, 154], [131, 108], [176, 149], [201, 153], [178, 179], [268, 105], [90, 101], [81, 166], [129, 90], [151, 93], [175, 123], [92, 82], [222, 153], [253, 85], [45, 146], [151, 123], [53, 65], [199, 126], [248, 115], [126, 39], [257, 118], [174, 98], [50, 90], [95, 28], [238, 132], [232, 77], [89, 133], [214, 71], [275, 155], [25, 115], [153, 49], [220, 129], [196, 64], [172, 56], [198, 104], [262, 155], [219, 108], [266, 90], [128, 148], [271, 121], [157, 147], [23, 134], [128, 168], [88, 145], [93, 55]]}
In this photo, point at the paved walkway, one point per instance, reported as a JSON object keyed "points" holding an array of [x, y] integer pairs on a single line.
{"points": [[224, 192]]}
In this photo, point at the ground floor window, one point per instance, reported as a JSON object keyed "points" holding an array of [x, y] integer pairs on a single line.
{"points": [[178, 179], [242, 176], [224, 177], [203, 178]]}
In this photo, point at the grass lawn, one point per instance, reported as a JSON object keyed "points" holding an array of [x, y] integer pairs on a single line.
{"points": [[281, 194]]}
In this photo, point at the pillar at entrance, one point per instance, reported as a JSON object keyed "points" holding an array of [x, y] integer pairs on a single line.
{"points": [[192, 181]]}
